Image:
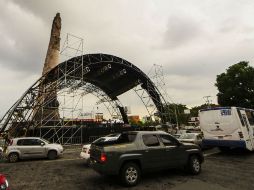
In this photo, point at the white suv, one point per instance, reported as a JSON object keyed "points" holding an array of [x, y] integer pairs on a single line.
{"points": [[32, 147]]}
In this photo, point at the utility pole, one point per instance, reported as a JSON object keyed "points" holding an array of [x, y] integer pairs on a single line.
{"points": [[207, 101]]}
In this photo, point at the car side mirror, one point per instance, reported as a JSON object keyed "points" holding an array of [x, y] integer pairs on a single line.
{"points": [[42, 144]]}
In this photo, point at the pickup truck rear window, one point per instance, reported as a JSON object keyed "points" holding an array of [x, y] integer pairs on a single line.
{"points": [[126, 137], [123, 138], [150, 140]]}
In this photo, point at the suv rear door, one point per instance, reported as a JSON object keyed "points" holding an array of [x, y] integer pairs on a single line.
{"points": [[153, 152]]}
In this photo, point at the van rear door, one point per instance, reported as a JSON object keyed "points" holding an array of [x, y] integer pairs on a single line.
{"points": [[219, 123], [247, 129]]}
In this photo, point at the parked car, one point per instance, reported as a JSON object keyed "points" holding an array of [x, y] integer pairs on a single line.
{"points": [[136, 152], [32, 147], [195, 138], [4, 185], [85, 152]]}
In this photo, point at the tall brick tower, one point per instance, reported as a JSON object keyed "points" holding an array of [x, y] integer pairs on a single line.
{"points": [[52, 57], [48, 95]]}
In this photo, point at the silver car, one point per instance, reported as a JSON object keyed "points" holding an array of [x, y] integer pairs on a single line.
{"points": [[195, 138], [32, 147]]}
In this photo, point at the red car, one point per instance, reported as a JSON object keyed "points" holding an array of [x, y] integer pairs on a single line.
{"points": [[3, 183]]}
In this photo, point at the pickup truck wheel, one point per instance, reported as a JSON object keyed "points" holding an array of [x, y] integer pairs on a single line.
{"points": [[194, 165], [52, 155], [13, 157], [130, 174]]}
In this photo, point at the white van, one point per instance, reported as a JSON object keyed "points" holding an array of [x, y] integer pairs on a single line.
{"points": [[227, 127]]}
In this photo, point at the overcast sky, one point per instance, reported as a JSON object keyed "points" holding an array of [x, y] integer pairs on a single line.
{"points": [[193, 40]]}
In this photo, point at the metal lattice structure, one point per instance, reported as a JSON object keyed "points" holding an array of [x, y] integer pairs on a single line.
{"points": [[105, 76], [156, 74]]}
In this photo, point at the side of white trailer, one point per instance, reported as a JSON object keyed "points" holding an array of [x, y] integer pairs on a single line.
{"points": [[230, 127]]}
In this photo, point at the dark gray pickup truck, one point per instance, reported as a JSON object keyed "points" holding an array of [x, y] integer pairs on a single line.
{"points": [[136, 152]]}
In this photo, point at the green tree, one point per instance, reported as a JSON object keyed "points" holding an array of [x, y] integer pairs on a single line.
{"points": [[176, 113], [194, 110], [236, 86]]}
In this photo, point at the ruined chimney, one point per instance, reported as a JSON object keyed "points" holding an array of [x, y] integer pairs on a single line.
{"points": [[47, 96]]}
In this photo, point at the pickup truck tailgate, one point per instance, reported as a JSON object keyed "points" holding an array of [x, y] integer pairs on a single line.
{"points": [[95, 152]]}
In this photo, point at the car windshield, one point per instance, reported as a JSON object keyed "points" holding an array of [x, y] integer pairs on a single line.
{"points": [[99, 140], [113, 135], [46, 141], [187, 136]]}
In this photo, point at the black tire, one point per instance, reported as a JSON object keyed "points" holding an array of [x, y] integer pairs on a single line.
{"points": [[52, 155], [13, 157], [194, 165], [130, 174]]}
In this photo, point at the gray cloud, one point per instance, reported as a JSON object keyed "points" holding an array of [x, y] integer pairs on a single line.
{"points": [[197, 39], [23, 39], [181, 31], [44, 10]]}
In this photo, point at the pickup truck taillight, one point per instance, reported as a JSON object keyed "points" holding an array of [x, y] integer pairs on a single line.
{"points": [[240, 134], [103, 157]]}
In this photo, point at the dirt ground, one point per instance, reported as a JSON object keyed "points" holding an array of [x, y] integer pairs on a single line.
{"points": [[220, 171]]}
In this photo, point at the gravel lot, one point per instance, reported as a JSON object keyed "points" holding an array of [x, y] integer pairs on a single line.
{"points": [[233, 170]]}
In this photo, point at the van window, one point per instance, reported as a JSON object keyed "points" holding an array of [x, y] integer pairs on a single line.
{"points": [[240, 117], [250, 116], [225, 112]]}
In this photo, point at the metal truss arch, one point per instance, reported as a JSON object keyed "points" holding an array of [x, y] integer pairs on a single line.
{"points": [[103, 75]]}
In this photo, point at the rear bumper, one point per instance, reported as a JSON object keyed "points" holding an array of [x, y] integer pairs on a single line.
{"points": [[102, 168], [224, 143]]}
